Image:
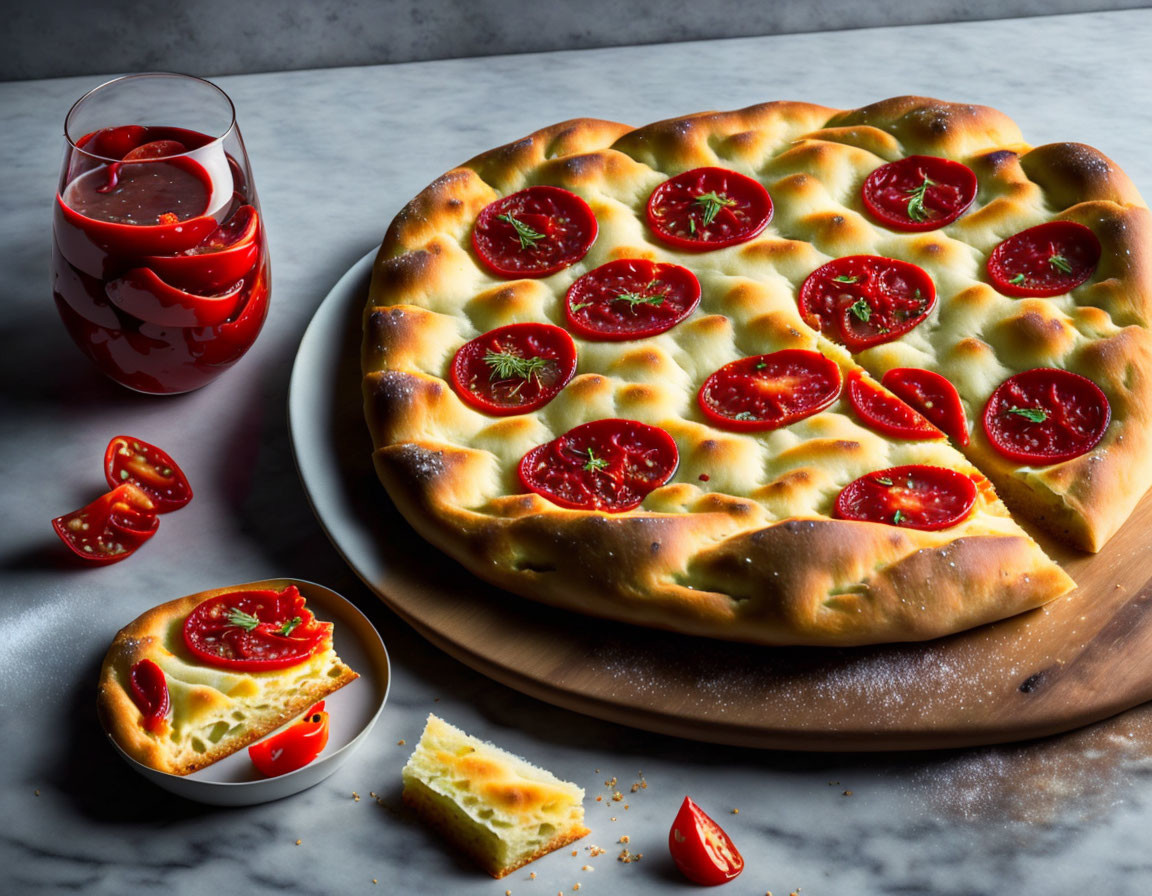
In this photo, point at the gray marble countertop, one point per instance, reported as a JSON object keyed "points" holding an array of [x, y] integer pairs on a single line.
{"points": [[336, 153]]}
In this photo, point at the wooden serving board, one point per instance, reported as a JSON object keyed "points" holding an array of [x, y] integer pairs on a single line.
{"points": [[1078, 660]]}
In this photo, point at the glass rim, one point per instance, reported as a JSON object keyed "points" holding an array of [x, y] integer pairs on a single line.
{"points": [[148, 75]]}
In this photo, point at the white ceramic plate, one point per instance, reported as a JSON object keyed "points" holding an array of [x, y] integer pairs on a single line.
{"points": [[353, 710]]}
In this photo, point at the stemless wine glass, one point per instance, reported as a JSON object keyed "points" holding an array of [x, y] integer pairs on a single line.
{"points": [[160, 259]]}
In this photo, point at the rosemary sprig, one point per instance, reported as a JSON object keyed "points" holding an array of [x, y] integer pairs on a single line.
{"points": [[898, 517], [595, 463], [915, 196], [527, 235], [712, 203], [1018, 279], [243, 620], [642, 298], [1060, 263], [289, 626], [1033, 415], [845, 278], [883, 480], [507, 365]]}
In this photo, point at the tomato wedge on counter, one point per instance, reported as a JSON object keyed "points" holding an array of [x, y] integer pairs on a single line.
{"points": [[534, 233], [933, 396], [700, 848], [886, 413], [110, 528], [514, 369], [865, 300], [769, 391], [254, 631], [608, 465], [149, 689], [1046, 260], [919, 193], [913, 496], [294, 747], [1046, 415], [630, 298], [128, 459], [708, 208]]}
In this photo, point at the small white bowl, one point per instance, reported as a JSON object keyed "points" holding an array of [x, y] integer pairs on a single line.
{"points": [[353, 710]]}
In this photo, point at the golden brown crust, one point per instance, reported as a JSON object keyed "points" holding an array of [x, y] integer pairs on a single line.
{"points": [[201, 696], [451, 470]]}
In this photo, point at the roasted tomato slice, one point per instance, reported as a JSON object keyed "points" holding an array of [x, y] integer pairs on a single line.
{"points": [[514, 369], [149, 689], [128, 459], [931, 395], [1045, 416], [534, 233], [886, 413], [919, 192], [254, 631], [294, 747], [700, 848], [608, 465], [708, 208], [1046, 260], [913, 496], [110, 528], [156, 149], [630, 299], [769, 391], [865, 300]]}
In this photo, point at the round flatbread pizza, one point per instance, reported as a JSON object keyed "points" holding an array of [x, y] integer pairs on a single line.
{"points": [[765, 375]]}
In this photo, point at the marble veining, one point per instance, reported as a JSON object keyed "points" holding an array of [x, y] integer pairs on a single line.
{"points": [[336, 153]]}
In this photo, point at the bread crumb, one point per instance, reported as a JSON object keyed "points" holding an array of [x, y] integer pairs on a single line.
{"points": [[298, 842], [617, 796], [847, 793], [576, 886], [624, 839], [610, 783], [375, 881], [599, 799], [355, 796], [587, 868], [628, 857], [595, 850], [735, 811], [533, 875], [613, 818], [400, 742]]}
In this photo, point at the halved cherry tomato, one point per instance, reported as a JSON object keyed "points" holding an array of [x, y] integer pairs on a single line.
{"points": [[700, 848], [913, 496], [631, 298], [708, 208], [254, 631], [865, 300], [535, 232], [769, 391], [150, 694], [110, 528], [129, 459], [608, 465], [919, 192], [156, 149], [222, 258], [1046, 415], [514, 369], [1046, 260], [931, 395], [886, 413], [294, 747]]}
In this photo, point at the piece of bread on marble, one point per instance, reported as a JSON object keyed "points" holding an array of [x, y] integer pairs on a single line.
{"points": [[498, 808]]}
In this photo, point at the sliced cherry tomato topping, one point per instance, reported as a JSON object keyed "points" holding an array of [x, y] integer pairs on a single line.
{"points": [[149, 690], [886, 413], [919, 192], [148, 468], [294, 747], [931, 395], [708, 208], [534, 233], [608, 465], [914, 496], [514, 369], [769, 391], [1046, 415], [157, 149], [110, 528], [1046, 260], [254, 631], [630, 299], [865, 300], [700, 848]]}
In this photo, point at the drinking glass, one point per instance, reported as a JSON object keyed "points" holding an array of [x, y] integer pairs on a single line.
{"points": [[160, 258]]}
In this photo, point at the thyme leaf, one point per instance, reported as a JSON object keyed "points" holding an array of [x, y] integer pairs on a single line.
{"points": [[595, 463], [288, 627], [1033, 415], [916, 210], [243, 620], [527, 235], [1060, 263], [712, 203], [862, 310]]}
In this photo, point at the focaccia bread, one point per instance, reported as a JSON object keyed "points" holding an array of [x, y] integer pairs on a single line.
{"points": [[215, 710], [500, 809], [746, 539]]}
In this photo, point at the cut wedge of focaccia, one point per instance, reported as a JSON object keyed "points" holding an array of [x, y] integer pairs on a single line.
{"points": [[499, 809], [216, 707]]}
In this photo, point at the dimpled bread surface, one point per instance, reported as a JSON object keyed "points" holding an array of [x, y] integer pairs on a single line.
{"points": [[500, 809], [741, 542], [215, 711]]}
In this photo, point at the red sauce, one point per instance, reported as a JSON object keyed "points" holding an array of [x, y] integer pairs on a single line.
{"points": [[160, 261]]}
